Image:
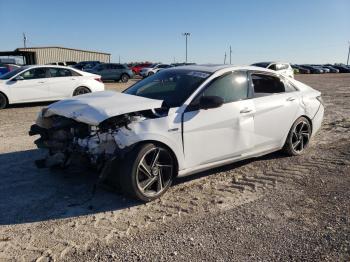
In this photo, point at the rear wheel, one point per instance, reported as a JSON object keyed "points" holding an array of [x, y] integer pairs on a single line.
{"points": [[150, 73], [3, 101], [80, 91], [124, 78], [147, 172], [298, 137]]}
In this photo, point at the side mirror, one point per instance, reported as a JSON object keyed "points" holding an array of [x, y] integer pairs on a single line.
{"points": [[18, 78], [207, 102]]}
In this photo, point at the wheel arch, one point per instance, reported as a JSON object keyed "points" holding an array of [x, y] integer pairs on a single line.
{"points": [[157, 142], [84, 86], [6, 96]]}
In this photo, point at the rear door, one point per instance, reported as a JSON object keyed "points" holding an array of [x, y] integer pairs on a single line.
{"points": [[276, 104], [63, 82], [220, 133], [33, 87]]}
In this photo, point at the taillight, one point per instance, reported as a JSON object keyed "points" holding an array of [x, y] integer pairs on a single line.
{"points": [[98, 79]]}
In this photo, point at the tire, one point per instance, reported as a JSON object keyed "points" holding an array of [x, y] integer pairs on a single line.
{"points": [[3, 101], [124, 78], [150, 73], [141, 179], [298, 137], [81, 90]]}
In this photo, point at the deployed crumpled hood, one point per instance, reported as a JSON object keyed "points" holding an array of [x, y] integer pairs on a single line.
{"points": [[96, 107]]}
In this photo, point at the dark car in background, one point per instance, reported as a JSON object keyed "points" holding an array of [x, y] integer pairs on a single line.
{"points": [[86, 65], [341, 68], [112, 71], [5, 68], [301, 70], [313, 70], [331, 69]]}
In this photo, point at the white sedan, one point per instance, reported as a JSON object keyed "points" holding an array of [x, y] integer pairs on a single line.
{"points": [[45, 83], [180, 121]]}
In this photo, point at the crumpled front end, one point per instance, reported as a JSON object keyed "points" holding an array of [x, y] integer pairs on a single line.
{"points": [[67, 139]]}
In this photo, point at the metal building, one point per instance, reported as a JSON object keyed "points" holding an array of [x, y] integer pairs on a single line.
{"points": [[53, 54]]}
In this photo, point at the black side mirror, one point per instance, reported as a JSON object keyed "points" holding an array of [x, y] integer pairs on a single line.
{"points": [[207, 102], [18, 78]]}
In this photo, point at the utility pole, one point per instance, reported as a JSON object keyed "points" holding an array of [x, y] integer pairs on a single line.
{"points": [[230, 54], [119, 59], [186, 36], [225, 59], [347, 62], [24, 40]]}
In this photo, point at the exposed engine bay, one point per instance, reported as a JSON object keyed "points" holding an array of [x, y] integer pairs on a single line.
{"points": [[65, 138]]}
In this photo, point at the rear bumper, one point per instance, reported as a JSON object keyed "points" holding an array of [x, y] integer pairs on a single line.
{"points": [[317, 120]]}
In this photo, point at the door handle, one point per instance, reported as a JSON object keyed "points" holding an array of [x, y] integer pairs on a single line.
{"points": [[290, 99], [245, 110]]}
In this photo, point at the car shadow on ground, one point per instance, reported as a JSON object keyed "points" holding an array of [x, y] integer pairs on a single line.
{"points": [[29, 194]]}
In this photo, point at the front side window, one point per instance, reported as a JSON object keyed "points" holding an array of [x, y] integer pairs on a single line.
{"points": [[35, 73], [230, 87], [171, 86], [267, 84]]}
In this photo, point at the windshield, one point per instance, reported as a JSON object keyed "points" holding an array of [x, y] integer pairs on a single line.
{"points": [[173, 86], [12, 73]]}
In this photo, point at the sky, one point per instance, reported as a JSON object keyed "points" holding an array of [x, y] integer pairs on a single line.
{"points": [[296, 31]]}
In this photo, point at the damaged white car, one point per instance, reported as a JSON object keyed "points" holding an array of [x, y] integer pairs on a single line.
{"points": [[180, 121]]}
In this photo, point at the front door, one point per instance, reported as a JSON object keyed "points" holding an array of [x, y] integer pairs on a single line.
{"points": [[220, 133], [31, 86]]}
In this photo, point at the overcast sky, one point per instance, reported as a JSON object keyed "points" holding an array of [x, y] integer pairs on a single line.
{"points": [[297, 31]]}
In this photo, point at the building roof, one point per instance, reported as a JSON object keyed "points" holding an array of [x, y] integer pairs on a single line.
{"points": [[59, 47]]}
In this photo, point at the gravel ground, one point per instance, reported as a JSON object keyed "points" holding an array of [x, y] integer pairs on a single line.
{"points": [[269, 208]]}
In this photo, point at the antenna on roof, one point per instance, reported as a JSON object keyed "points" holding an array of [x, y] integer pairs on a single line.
{"points": [[24, 40]]}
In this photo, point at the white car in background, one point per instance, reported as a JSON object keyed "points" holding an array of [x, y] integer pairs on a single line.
{"points": [[45, 83], [180, 121], [280, 67], [152, 69]]}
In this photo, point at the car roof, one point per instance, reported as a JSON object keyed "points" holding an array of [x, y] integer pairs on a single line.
{"points": [[39, 66], [212, 68]]}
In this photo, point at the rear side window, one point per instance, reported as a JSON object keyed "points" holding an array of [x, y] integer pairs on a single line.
{"points": [[60, 72], [231, 87], [266, 85]]}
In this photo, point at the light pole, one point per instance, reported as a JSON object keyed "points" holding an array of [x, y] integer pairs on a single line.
{"points": [[225, 59], [230, 54], [186, 36], [347, 62]]}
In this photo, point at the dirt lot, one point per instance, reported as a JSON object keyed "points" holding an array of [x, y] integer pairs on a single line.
{"points": [[270, 208]]}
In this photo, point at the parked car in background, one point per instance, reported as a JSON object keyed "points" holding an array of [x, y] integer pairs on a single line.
{"points": [[136, 68], [342, 68], [313, 70], [331, 69], [325, 70], [5, 68], [284, 68], [181, 121], [152, 69], [112, 71], [45, 83], [86, 65], [302, 70]]}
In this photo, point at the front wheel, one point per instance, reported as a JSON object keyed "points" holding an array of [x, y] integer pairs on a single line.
{"points": [[147, 172], [298, 137], [80, 91], [3, 101]]}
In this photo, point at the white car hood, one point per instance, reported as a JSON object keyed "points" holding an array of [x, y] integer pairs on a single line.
{"points": [[96, 107]]}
